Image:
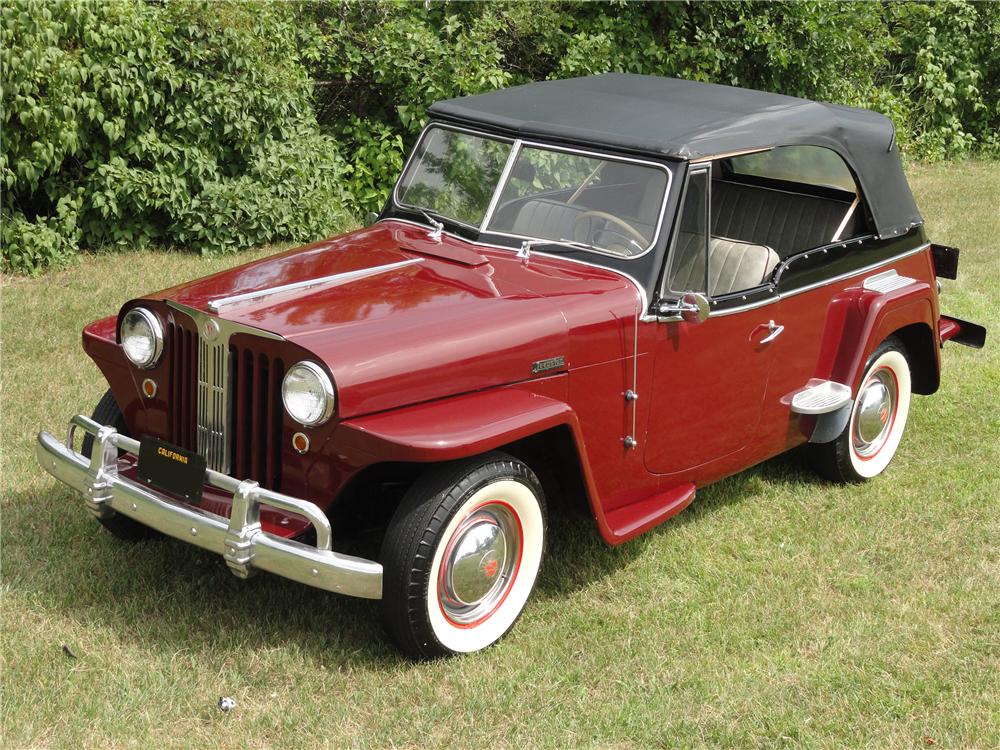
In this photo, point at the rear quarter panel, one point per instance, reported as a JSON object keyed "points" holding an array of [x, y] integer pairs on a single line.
{"points": [[832, 329]]}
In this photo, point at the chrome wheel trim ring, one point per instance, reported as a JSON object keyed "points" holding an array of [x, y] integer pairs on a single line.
{"points": [[480, 564], [875, 413]]}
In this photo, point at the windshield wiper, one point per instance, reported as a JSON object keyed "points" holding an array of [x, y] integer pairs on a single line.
{"points": [[574, 243], [435, 233], [553, 246]]}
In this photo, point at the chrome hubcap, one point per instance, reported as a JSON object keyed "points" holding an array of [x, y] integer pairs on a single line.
{"points": [[873, 418], [480, 563]]}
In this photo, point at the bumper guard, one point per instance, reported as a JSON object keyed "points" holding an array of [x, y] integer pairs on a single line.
{"points": [[239, 538]]}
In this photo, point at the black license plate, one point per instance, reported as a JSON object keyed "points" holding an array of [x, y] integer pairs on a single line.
{"points": [[171, 469]]}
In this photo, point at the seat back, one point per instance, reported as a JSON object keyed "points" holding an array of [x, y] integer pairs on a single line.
{"points": [[787, 222], [546, 218], [542, 217], [732, 265]]}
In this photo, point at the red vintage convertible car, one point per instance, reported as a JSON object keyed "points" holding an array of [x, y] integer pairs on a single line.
{"points": [[616, 288]]}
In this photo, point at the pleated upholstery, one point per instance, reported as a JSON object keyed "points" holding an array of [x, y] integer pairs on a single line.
{"points": [[688, 272], [553, 220], [545, 218], [732, 265], [787, 222]]}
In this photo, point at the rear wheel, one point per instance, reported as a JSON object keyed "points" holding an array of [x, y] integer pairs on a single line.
{"points": [[461, 556], [107, 413], [872, 435]]}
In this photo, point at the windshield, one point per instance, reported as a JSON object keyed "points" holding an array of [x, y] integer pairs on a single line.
{"points": [[454, 174], [605, 204]]}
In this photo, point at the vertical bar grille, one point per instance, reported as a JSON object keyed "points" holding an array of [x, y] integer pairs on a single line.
{"points": [[213, 404], [257, 416], [225, 398], [181, 346]]}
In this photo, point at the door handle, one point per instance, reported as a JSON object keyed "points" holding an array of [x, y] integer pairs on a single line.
{"points": [[774, 330]]}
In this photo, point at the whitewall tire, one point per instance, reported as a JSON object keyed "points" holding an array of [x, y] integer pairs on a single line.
{"points": [[461, 556], [879, 414], [878, 418]]}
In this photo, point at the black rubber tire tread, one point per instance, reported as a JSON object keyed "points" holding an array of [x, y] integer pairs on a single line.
{"points": [[833, 460], [107, 412], [413, 534]]}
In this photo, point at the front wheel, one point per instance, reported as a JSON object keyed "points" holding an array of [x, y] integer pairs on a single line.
{"points": [[461, 556], [870, 439]]}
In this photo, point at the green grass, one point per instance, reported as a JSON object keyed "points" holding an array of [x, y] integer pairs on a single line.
{"points": [[777, 611]]}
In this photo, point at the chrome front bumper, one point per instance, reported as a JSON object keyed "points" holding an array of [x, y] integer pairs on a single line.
{"points": [[239, 538]]}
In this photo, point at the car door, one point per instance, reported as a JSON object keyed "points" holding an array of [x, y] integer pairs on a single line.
{"points": [[709, 376]]}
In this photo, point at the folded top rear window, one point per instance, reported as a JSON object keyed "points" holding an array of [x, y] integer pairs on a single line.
{"points": [[809, 165]]}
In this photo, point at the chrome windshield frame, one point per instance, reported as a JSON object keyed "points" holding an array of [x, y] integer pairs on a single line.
{"points": [[517, 144], [413, 155]]}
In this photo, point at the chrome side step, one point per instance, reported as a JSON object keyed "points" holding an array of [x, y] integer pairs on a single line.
{"points": [[820, 397], [887, 281]]}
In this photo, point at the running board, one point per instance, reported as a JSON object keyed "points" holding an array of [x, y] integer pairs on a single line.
{"points": [[635, 518], [819, 397]]}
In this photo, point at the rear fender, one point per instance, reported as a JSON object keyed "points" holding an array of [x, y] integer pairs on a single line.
{"points": [[864, 318]]}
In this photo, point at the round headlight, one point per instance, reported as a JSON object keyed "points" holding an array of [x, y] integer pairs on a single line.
{"points": [[142, 337], [308, 394]]}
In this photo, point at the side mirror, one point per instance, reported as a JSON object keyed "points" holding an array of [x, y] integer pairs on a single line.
{"points": [[371, 218], [692, 307]]}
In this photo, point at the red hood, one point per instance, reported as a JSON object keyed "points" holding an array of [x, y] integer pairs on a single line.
{"points": [[459, 318]]}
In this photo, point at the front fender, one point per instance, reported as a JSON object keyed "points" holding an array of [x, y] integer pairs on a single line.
{"points": [[471, 424], [454, 428]]}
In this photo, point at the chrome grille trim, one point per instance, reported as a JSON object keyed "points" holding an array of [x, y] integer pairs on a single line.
{"points": [[214, 403]]}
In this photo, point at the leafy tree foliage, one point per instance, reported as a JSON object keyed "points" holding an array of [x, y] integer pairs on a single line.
{"points": [[181, 123], [194, 123], [932, 67]]}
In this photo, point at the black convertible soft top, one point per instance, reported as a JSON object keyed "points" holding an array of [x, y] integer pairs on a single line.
{"points": [[685, 120]]}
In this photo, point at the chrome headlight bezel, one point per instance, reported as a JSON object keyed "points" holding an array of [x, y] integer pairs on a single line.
{"points": [[155, 332], [325, 386]]}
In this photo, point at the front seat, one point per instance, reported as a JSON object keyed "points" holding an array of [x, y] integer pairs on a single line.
{"points": [[546, 218], [732, 265]]}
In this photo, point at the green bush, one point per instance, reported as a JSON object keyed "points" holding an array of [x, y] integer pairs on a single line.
{"points": [[128, 123], [385, 63], [941, 54]]}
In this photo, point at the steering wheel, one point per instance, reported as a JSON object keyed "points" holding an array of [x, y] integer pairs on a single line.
{"points": [[629, 230]]}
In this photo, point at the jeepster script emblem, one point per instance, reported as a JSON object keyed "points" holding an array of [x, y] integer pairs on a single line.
{"points": [[544, 365]]}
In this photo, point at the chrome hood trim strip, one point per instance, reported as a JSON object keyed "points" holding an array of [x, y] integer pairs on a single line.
{"points": [[334, 280]]}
